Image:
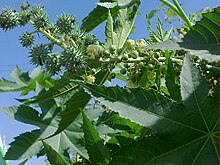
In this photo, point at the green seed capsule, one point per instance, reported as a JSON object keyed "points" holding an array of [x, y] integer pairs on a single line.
{"points": [[126, 65], [118, 59], [123, 71], [112, 66], [113, 75], [150, 67], [112, 49], [157, 55], [112, 60], [140, 65], [162, 68], [93, 71], [125, 57], [106, 53], [134, 54]]}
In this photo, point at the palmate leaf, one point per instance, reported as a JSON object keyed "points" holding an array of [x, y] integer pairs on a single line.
{"points": [[117, 35], [22, 79], [53, 156], [29, 144], [97, 16], [96, 149], [183, 133], [61, 87], [202, 40], [171, 83], [76, 103], [100, 13], [25, 82]]}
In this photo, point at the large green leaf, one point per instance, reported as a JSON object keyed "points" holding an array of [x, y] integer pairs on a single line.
{"points": [[183, 133], [61, 87], [117, 35], [100, 13], [24, 82], [96, 149], [76, 103], [171, 82], [28, 144], [53, 157], [97, 16], [202, 40]]}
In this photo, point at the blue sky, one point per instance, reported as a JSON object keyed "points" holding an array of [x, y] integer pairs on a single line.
{"points": [[12, 53]]}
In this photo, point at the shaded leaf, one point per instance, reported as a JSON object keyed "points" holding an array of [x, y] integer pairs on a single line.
{"points": [[76, 103], [10, 86], [25, 83], [97, 151], [186, 133], [171, 83], [53, 157], [29, 144]]}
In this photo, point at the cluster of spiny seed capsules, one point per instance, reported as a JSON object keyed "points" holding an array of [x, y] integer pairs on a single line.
{"points": [[64, 33]]}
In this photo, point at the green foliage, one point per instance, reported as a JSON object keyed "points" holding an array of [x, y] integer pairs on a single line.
{"points": [[26, 83], [53, 156], [202, 40], [98, 153], [2, 152], [171, 82], [118, 35], [161, 117], [191, 126]]}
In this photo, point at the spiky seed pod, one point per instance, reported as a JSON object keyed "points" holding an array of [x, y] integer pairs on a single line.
{"points": [[24, 17], [38, 54], [89, 39], [123, 71], [41, 21], [77, 34], [27, 39], [8, 19], [24, 6], [37, 10], [66, 23], [53, 64], [72, 57], [52, 29]]}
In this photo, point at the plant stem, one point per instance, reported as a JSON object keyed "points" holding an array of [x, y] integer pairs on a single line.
{"points": [[178, 9], [171, 6], [183, 14], [51, 38]]}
